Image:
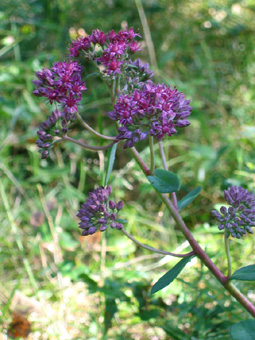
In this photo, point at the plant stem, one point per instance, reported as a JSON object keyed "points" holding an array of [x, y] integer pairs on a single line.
{"points": [[163, 157], [152, 153], [226, 242], [196, 247], [86, 146], [140, 161], [83, 123], [153, 249], [162, 154]]}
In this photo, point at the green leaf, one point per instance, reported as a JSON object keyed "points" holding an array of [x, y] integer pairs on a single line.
{"points": [[244, 274], [149, 314], [243, 330], [121, 220], [186, 200], [92, 74], [110, 162], [166, 279], [110, 310], [164, 181]]}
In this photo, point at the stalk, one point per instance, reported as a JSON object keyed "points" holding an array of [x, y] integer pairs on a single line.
{"points": [[226, 243], [163, 157], [84, 124], [196, 247], [152, 153], [86, 146], [163, 252]]}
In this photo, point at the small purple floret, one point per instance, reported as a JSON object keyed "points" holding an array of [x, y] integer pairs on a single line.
{"points": [[239, 218], [94, 213], [61, 84], [154, 110]]}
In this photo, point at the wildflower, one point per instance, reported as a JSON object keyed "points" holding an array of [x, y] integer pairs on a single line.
{"points": [[115, 49], [55, 126], [239, 218], [98, 212], [61, 84], [154, 110]]}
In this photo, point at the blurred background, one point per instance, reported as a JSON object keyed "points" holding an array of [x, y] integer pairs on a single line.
{"points": [[55, 284]]}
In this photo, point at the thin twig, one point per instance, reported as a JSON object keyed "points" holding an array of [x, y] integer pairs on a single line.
{"points": [[86, 146], [153, 249], [83, 123]]}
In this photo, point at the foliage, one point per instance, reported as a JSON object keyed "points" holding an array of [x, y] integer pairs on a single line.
{"points": [[71, 287]]}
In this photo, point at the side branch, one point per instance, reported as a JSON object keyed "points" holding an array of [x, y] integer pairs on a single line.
{"points": [[86, 146], [84, 124], [153, 249]]}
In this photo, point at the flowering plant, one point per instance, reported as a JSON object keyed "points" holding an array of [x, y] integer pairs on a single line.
{"points": [[142, 110]]}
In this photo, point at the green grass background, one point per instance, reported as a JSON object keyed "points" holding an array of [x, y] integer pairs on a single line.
{"points": [[71, 287]]}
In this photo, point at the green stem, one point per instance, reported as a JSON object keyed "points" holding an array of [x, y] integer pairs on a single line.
{"points": [[196, 247], [140, 161], [153, 249], [163, 157], [226, 242], [83, 123], [86, 146], [152, 153]]}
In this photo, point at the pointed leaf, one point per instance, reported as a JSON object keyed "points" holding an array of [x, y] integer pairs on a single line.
{"points": [[244, 274], [121, 220], [110, 310], [166, 279], [186, 200], [164, 181], [110, 162], [243, 330]]}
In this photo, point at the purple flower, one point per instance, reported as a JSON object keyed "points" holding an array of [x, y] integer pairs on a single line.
{"points": [[61, 84], [239, 218], [97, 213], [55, 126], [155, 110], [115, 51], [98, 37], [81, 44]]}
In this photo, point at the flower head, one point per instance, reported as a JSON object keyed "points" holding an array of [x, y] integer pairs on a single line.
{"points": [[239, 218], [113, 52], [61, 84], [55, 126], [155, 110], [97, 213]]}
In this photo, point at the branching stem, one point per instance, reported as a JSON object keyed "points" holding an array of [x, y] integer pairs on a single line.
{"points": [[83, 123], [86, 146], [153, 249], [199, 252]]}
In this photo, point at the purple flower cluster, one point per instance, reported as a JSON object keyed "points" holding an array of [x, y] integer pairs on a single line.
{"points": [[154, 109], [116, 48], [239, 218], [55, 125], [98, 212], [61, 84]]}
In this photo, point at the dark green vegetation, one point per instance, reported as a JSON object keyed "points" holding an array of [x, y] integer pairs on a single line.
{"points": [[71, 287]]}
